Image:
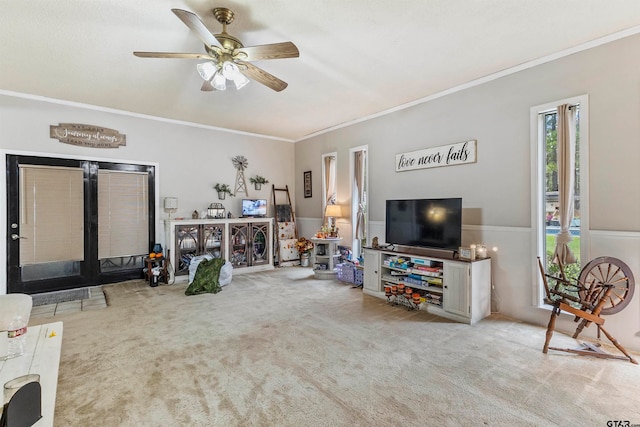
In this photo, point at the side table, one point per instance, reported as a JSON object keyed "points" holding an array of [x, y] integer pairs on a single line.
{"points": [[42, 357], [151, 263], [325, 255]]}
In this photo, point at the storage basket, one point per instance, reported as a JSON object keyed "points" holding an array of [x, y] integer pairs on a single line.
{"points": [[345, 272], [359, 276]]}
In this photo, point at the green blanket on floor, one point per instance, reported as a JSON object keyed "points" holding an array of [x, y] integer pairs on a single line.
{"points": [[206, 278]]}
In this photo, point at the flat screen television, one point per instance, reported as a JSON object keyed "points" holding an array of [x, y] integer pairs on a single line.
{"points": [[431, 223], [254, 207]]}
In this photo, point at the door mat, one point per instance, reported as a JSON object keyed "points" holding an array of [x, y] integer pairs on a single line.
{"points": [[60, 296]]}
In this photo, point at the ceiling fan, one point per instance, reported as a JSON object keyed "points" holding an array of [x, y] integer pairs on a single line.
{"points": [[227, 58]]}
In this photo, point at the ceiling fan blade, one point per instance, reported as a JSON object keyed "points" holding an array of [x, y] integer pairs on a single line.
{"points": [[261, 76], [173, 55], [192, 21], [267, 51], [207, 86]]}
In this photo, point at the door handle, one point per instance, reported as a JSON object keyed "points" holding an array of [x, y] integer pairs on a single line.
{"points": [[16, 237]]}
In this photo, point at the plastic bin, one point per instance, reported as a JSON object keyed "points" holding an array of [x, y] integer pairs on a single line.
{"points": [[359, 276], [345, 272]]}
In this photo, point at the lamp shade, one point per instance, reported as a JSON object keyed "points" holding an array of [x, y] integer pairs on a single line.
{"points": [[333, 211], [171, 203], [207, 70]]}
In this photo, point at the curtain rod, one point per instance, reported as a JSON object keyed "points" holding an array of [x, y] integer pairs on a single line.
{"points": [[571, 107]]}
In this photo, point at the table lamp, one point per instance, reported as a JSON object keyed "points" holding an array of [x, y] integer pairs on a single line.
{"points": [[332, 212], [170, 205]]}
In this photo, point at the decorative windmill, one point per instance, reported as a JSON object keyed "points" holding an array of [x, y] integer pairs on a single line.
{"points": [[240, 163]]}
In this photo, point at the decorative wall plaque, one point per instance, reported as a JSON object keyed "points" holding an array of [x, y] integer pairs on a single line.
{"points": [[87, 135], [446, 155]]}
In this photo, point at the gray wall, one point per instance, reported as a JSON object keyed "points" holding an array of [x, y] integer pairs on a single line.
{"points": [[496, 190], [190, 160]]}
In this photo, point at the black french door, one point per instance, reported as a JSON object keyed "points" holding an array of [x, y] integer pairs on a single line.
{"points": [[88, 271]]}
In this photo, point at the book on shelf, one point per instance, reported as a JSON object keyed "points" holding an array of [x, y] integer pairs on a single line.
{"points": [[426, 273], [398, 273], [426, 268]]}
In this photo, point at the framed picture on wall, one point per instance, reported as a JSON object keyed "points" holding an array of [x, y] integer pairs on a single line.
{"points": [[307, 184]]}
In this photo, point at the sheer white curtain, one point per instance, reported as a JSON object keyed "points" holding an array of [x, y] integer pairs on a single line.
{"points": [[359, 180], [329, 184], [566, 181]]}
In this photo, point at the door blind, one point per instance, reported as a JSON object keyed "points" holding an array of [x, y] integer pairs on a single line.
{"points": [[123, 214], [51, 214]]}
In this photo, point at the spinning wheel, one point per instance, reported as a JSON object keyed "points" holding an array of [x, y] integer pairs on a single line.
{"points": [[602, 272], [605, 286]]}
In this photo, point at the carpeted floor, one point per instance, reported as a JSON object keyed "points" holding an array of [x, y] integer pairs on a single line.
{"points": [[282, 349]]}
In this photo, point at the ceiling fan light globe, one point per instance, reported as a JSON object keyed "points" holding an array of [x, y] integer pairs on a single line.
{"points": [[230, 70], [240, 81], [219, 81], [206, 70]]}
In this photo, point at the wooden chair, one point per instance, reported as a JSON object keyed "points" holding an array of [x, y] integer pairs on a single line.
{"points": [[605, 286]]}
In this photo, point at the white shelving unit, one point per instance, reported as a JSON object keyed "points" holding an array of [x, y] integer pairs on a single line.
{"points": [[456, 289], [325, 257]]}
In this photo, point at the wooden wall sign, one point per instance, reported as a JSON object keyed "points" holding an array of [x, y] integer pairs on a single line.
{"points": [[446, 155], [87, 135]]}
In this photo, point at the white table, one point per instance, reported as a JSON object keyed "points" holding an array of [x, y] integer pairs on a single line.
{"points": [[42, 356], [325, 252]]}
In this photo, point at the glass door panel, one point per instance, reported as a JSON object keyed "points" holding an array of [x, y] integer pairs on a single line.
{"points": [[238, 245], [46, 247], [213, 240], [187, 244], [260, 253]]}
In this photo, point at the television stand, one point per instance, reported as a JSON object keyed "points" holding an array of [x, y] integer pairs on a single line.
{"points": [[388, 247], [456, 289], [421, 251]]}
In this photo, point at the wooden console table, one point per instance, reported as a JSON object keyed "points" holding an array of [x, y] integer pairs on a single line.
{"points": [[42, 357]]}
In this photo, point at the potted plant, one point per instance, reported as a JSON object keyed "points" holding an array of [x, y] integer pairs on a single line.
{"points": [[304, 247], [222, 190], [257, 181]]}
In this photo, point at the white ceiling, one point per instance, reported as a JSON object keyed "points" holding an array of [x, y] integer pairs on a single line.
{"points": [[357, 57]]}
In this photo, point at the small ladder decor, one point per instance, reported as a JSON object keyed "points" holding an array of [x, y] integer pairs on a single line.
{"points": [[285, 229]]}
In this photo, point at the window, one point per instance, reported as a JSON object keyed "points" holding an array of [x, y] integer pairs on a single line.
{"points": [[51, 221], [359, 198], [550, 215], [123, 214]]}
